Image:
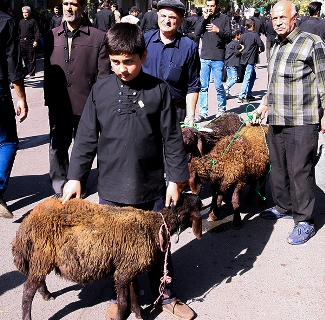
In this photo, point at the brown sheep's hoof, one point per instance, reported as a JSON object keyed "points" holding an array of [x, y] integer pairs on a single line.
{"points": [[212, 217]]}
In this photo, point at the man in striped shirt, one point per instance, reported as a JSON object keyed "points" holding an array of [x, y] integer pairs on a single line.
{"points": [[295, 100]]}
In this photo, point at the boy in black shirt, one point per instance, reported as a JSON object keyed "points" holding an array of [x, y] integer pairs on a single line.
{"points": [[253, 45], [232, 59], [130, 123]]}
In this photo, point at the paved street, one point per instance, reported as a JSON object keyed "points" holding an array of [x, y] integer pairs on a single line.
{"points": [[247, 274]]}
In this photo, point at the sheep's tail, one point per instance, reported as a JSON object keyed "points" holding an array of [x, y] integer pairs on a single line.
{"points": [[21, 249]]}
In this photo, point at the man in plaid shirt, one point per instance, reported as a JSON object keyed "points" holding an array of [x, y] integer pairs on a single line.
{"points": [[295, 100]]}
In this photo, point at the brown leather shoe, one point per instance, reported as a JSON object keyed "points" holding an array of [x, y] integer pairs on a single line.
{"points": [[111, 313], [4, 211], [178, 309]]}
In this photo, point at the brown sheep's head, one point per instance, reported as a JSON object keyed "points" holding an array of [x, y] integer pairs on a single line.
{"points": [[189, 213]]}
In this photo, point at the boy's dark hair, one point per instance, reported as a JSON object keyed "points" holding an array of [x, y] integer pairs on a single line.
{"points": [[235, 33], [125, 38], [314, 7], [249, 23], [154, 4], [257, 13]]}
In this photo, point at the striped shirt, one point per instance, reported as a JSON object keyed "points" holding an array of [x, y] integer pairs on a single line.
{"points": [[296, 82]]}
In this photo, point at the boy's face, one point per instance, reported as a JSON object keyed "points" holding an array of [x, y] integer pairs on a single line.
{"points": [[127, 66]]}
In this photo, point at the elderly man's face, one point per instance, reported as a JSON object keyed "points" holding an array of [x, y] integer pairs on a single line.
{"points": [[283, 19], [26, 14], [72, 10], [169, 20]]}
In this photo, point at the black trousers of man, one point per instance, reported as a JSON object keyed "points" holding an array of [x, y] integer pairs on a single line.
{"points": [[292, 154], [28, 53]]}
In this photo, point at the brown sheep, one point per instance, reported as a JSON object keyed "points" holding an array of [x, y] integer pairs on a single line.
{"points": [[231, 164], [84, 242]]}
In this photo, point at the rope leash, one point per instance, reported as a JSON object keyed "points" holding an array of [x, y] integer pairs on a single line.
{"points": [[165, 279]]}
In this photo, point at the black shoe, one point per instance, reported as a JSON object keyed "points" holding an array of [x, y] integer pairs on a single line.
{"points": [[200, 118], [4, 210], [250, 97]]}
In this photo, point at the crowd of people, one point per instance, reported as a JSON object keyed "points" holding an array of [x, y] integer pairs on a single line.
{"points": [[122, 84]]}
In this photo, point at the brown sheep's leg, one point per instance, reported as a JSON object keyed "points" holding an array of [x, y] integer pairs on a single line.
{"points": [[30, 288], [235, 200], [122, 300], [215, 204], [45, 293], [134, 291]]}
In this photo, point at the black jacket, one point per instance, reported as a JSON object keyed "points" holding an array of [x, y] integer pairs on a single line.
{"points": [[104, 20], [253, 45], [149, 21], [214, 44]]}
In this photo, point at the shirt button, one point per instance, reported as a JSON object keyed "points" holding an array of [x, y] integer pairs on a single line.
{"points": [[69, 84], [120, 101], [120, 93], [67, 72], [119, 110], [65, 48], [134, 101], [133, 110], [134, 93], [66, 60], [122, 85]]}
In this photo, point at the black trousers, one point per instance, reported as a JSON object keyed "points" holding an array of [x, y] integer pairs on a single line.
{"points": [[28, 53], [63, 128], [292, 155]]}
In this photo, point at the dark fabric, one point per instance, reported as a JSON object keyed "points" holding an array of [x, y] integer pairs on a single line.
{"points": [[63, 127], [28, 29], [104, 20], [11, 68], [176, 63], [188, 27], [292, 155], [149, 21], [259, 26], [232, 57], [253, 45], [214, 44], [68, 80], [55, 21], [309, 24], [28, 53], [319, 29], [269, 30], [130, 126]]}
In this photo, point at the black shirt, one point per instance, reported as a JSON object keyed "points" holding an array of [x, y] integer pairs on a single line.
{"points": [[55, 21], [253, 45], [28, 29], [10, 60], [149, 21], [133, 127]]}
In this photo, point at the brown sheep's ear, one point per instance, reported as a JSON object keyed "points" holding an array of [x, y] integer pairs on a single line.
{"points": [[197, 224]]}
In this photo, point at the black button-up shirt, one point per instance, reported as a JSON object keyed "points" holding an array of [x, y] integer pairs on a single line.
{"points": [[28, 29], [131, 126], [10, 60]]}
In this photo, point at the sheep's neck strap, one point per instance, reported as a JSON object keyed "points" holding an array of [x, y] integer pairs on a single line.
{"points": [[165, 278]]}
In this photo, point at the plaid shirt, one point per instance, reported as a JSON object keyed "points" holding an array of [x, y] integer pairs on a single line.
{"points": [[296, 83]]}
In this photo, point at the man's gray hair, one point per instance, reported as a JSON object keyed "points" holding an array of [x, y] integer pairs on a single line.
{"points": [[26, 8]]}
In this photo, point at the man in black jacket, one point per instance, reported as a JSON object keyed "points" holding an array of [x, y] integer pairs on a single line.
{"points": [[29, 34], [150, 19], [189, 24], [215, 30], [105, 18], [11, 70]]}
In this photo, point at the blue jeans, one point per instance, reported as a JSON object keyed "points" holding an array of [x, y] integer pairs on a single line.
{"points": [[232, 76], [8, 136], [216, 66], [248, 81]]}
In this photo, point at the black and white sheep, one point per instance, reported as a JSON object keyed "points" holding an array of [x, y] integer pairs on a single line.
{"points": [[84, 242], [231, 164]]}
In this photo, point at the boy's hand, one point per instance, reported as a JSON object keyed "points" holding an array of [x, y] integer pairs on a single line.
{"points": [[71, 188], [172, 193]]}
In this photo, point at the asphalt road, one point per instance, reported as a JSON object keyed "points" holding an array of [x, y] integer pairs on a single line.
{"points": [[247, 274]]}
